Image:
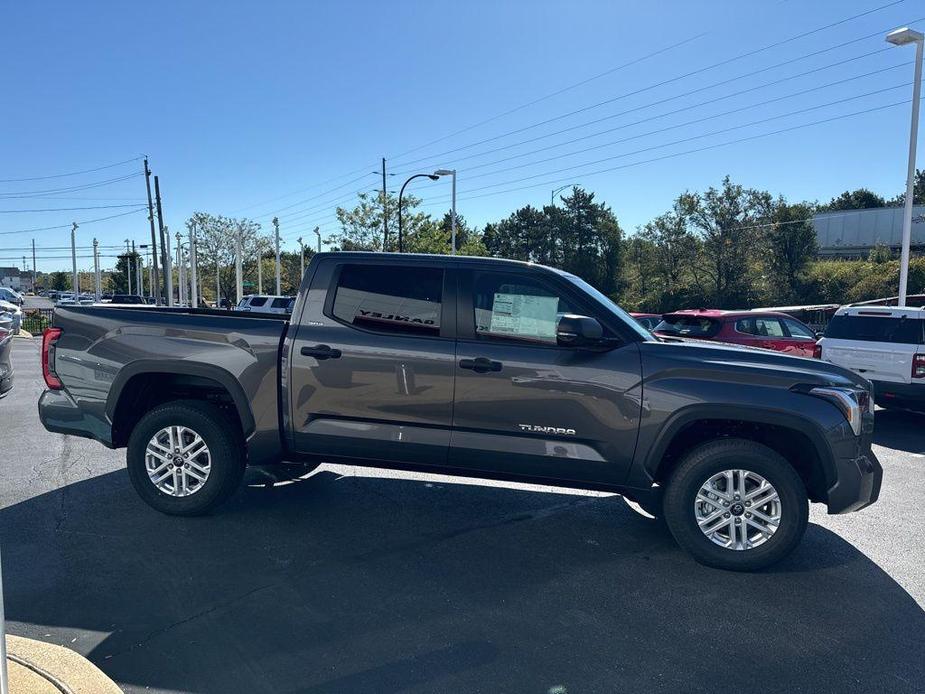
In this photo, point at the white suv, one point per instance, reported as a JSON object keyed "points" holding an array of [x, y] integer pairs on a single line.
{"points": [[885, 345], [265, 303]]}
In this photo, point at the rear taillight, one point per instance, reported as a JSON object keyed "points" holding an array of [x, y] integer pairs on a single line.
{"points": [[49, 337], [918, 366], [817, 351]]}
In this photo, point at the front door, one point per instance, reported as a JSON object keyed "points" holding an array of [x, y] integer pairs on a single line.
{"points": [[525, 406], [373, 361]]}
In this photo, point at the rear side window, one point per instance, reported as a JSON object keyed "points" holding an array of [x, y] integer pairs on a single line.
{"points": [[258, 301], [688, 326], [390, 298], [763, 327], [281, 302], [899, 330]]}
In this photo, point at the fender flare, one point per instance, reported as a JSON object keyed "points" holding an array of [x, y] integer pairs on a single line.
{"points": [[215, 373], [756, 415]]}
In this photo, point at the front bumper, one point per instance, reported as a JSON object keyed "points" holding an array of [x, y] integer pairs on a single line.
{"points": [[857, 483]]}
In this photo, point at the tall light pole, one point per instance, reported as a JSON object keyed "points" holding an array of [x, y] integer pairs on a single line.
{"points": [[902, 37], [238, 267], [168, 264], [276, 235], [301, 260], [451, 172], [193, 270], [128, 267], [181, 288], [555, 192], [401, 193], [317, 233], [218, 283], [74, 278], [97, 289]]}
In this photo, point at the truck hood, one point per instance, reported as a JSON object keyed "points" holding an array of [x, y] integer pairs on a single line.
{"points": [[762, 364]]}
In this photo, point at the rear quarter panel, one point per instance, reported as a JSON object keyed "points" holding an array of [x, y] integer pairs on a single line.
{"points": [[101, 348]]}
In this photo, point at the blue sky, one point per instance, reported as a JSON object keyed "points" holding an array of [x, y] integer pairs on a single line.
{"points": [[256, 108]]}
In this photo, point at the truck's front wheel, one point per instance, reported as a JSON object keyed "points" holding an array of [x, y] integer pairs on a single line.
{"points": [[185, 457], [736, 505]]}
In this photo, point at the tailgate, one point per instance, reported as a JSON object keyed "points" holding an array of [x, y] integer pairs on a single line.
{"points": [[875, 361]]}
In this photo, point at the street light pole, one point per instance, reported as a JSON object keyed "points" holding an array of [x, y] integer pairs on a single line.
{"points": [[401, 193], [97, 289], [902, 37], [451, 172], [555, 192], [238, 268], [301, 259], [128, 267], [317, 233], [276, 233], [74, 278], [194, 279]]}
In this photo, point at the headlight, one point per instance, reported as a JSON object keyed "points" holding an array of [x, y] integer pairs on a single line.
{"points": [[853, 402]]}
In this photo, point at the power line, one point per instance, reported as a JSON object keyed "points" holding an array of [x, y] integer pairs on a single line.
{"points": [[68, 226], [667, 156], [710, 67], [39, 193], [71, 173], [674, 97], [649, 88], [68, 209]]}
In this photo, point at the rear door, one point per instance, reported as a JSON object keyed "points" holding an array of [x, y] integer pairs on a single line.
{"points": [[765, 332], [373, 361], [802, 338], [524, 405], [878, 345]]}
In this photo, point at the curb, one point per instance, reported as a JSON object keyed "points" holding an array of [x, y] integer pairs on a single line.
{"points": [[24, 334], [36, 667]]}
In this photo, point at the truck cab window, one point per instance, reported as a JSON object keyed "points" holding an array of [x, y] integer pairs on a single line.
{"points": [[510, 307], [390, 298]]}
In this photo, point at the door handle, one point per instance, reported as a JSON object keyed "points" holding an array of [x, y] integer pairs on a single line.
{"points": [[320, 352], [480, 365]]}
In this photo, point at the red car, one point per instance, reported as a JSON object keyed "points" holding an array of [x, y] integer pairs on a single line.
{"points": [[766, 329], [647, 320]]}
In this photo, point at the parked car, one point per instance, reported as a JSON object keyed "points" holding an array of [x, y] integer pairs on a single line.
{"points": [[264, 303], [885, 345], [647, 320], [468, 366], [6, 346], [11, 296], [776, 331], [15, 314], [127, 299]]}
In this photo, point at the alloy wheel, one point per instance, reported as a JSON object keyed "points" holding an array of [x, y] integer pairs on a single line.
{"points": [[737, 509], [178, 461]]}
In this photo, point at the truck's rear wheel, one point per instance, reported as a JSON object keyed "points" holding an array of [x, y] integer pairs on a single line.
{"points": [[736, 505], [185, 457]]}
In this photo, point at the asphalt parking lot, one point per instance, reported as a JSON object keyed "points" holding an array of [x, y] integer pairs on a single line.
{"points": [[352, 583]]}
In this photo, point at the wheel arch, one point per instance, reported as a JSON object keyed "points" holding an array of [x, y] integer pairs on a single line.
{"points": [[145, 384]]}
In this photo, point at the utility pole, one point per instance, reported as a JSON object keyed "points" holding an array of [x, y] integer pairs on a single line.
{"points": [[218, 284], [139, 273], [301, 259], [181, 288], [75, 279], [97, 289], [168, 266], [165, 251], [155, 280], [33, 265], [238, 268], [276, 227], [194, 280], [318, 234], [385, 211], [260, 265], [128, 267]]}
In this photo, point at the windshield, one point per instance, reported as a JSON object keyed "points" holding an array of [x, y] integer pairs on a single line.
{"points": [[610, 304], [688, 326]]}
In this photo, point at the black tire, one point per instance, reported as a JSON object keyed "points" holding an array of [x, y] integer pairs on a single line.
{"points": [[226, 448], [699, 466]]}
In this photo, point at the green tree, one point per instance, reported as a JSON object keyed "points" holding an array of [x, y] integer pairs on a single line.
{"points": [[60, 281], [860, 199], [119, 278], [918, 191], [361, 226], [791, 243], [215, 245]]}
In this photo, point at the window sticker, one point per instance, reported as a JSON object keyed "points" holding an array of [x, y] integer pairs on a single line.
{"points": [[523, 314]]}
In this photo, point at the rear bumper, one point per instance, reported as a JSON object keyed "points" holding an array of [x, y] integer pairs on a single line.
{"points": [[60, 414], [857, 484], [899, 393]]}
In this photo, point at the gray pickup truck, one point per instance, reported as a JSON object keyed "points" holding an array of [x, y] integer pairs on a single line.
{"points": [[474, 367]]}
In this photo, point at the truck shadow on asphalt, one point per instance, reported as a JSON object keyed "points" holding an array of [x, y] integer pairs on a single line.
{"points": [[900, 430], [354, 585]]}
